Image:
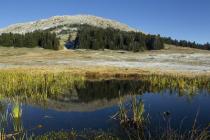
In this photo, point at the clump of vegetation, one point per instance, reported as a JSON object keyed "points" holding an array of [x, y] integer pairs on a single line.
{"points": [[62, 135], [135, 125], [184, 85], [73, 135], [90, 37], [16, 111], [13, 119], [138, 111], [133, 117], [37, 85], [44, 85], [175, 84], [43, 39], [194, 134]]}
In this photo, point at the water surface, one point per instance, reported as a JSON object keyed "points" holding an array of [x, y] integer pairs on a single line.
{"points": [[92, 105]]}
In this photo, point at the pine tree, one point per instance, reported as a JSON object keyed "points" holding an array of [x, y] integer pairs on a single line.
{"points": [[42, 39]]}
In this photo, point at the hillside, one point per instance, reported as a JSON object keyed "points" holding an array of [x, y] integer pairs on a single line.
{"points": [[91, 32], [78, 32], [62, 26], [63, 21]]}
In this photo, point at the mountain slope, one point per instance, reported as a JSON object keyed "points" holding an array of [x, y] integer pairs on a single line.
{"points": [[56, 21]]}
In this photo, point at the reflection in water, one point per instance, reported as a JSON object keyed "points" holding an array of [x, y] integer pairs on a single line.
{"points": [[64, 87], [91, 104], [110, 89]]}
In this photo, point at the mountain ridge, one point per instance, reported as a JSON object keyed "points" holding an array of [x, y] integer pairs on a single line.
{"points": [[52, 22]]}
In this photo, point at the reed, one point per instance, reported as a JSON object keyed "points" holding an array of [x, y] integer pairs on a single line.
{"points": [[122, 112], [3, 125], [37, 84], [133, 115], [137, 127], [182, 84], [138, 111]]}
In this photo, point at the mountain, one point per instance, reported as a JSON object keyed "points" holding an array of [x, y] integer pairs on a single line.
{"points": [[65, 22], [81, 32], [67, 31]]}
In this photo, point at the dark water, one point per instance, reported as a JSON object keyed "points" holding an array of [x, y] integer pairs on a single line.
{"points": [[91, 107]]}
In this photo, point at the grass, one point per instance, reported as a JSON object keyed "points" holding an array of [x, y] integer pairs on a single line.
{"points": [[16, 111], [135, 118], [182, 84], [37, 84], [73, 135], [42, 84], [13, 119], [138, 111]]}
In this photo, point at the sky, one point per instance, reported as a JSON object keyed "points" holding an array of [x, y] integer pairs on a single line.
{"points": [[179, 19]]}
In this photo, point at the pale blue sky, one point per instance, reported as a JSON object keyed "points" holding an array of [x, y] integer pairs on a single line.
{"points": [[180, 19]]}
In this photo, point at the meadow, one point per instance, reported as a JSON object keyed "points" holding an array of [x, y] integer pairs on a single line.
{"points": [[66, 79]]}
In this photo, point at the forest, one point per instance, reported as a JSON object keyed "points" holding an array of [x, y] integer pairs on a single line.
{"points": [[43, 39], [89, 37], [184, 43]]}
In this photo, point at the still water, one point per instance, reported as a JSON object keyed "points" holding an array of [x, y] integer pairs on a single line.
{"points": [[92, 106]]}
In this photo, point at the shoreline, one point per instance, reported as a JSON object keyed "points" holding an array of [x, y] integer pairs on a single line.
{"points": [[106, 72]]}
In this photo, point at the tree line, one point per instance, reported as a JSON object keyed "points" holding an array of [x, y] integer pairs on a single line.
{"points": [[43, 39], [184, 43], [90, 37]]}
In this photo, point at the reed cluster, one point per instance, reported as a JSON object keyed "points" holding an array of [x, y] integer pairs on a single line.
{"points": [[181, 84], [133, 115], [37, 84], [135, 125]]}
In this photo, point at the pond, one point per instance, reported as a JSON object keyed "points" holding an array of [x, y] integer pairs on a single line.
{"points": [[93, 105]]}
